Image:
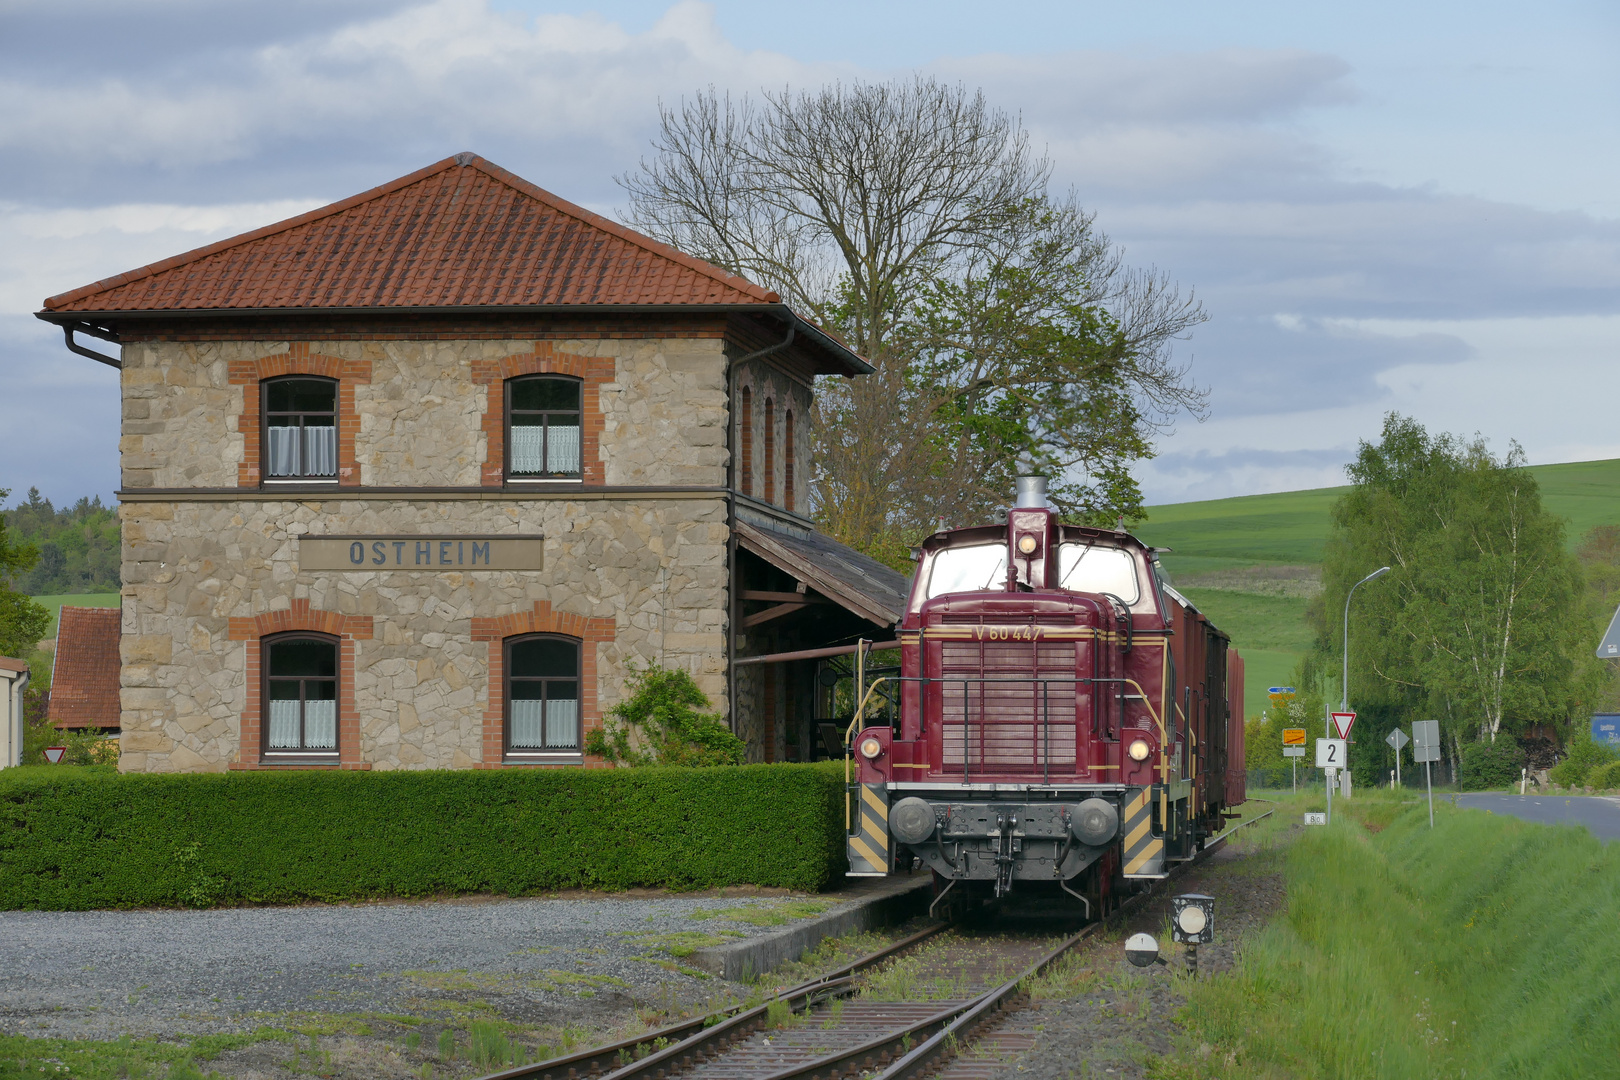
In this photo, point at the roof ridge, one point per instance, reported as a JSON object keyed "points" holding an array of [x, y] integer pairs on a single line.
{"points": [[461, 160], [623, 232]]}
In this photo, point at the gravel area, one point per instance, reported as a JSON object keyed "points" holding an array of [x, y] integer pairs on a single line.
{"points": [[586, 963], [1098, 1016]]}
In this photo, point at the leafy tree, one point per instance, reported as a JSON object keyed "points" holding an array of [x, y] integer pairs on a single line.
{"points": [[915, 220], [1481, 622], [660, 723], [22, 622]]}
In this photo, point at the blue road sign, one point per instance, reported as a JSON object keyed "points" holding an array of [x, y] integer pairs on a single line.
{"points": [[1606, 728], [1281, 690]]}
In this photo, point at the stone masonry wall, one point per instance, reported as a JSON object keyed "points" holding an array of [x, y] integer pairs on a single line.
{"points": [[656, 567], [420, 415]]}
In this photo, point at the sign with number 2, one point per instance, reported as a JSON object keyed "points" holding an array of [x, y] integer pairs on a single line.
{"points": [[1330, 753]]}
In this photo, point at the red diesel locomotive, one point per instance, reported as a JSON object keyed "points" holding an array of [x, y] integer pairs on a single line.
{"points": [[1064, 716]]}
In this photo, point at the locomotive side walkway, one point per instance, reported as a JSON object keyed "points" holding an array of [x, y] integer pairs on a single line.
{"points": [[573, 961]]}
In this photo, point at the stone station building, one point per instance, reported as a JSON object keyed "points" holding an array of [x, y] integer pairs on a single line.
{"points": [[415, 479]]}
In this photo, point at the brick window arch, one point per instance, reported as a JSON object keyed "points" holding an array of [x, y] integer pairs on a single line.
{"points": [[298, 360], [545, 359], [540, 621], [300, 440], [299, 620], [301, 676]]}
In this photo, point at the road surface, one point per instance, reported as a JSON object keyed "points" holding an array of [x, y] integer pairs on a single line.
{"points": [[1596, 812]]}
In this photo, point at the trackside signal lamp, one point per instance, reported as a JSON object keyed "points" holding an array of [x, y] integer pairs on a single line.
{"points": [[1142, 950], [1192, 922], [1138, 750], [871, 748]]}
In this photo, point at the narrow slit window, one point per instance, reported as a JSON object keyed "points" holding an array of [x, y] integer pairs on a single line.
{"points": [[770, 450], [787, 460], [542, 696], [300, 429], [543, 433], [745, 480], [301, 696]]}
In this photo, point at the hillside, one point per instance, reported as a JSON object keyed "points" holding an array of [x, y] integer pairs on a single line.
{"points": [[1252, 563]]}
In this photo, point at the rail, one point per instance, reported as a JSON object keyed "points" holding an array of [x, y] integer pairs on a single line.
{"points": [[909, 1050]]}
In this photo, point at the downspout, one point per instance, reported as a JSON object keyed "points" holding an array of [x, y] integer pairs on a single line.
{"points": [[731, 513], [75, 347]]}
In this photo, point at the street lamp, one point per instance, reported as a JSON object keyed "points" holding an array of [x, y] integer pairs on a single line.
{"points": [[1344, 682]]}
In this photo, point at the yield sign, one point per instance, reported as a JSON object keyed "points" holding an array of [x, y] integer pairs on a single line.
{"points": [[1343, 722], [53, 754]]}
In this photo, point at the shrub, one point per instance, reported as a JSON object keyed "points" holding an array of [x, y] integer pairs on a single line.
{"points": [[1487, 765], [73, 839], [663, 712], [1604, 776], [1584, 756]]}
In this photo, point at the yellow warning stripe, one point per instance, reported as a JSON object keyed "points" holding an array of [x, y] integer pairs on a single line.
{"points": [[873, 803], [864, 850], [1143, 857], [1137, 833]]}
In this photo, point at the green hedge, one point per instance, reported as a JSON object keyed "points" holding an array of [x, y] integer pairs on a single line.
{"points": [[73, 839]]}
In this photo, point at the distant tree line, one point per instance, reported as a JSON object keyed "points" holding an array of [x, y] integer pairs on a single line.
{"points": [[77, 546]]}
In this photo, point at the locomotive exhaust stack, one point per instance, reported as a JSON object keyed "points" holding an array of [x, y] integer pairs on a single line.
{"points": [[1065, 717]]}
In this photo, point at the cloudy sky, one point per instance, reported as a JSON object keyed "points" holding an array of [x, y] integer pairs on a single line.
{"points": [[1386, 205]]}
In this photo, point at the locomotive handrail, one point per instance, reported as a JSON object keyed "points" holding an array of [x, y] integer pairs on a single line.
{"points": [[860, 713]]}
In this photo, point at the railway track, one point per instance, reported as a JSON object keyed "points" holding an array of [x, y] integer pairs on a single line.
{"points": [[900, 1012]]}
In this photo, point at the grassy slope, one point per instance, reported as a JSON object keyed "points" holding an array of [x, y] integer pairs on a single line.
{"points": [[56, 603], [1290, 528], [1482, 948]]}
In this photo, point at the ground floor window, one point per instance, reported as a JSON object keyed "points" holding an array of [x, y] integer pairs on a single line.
{"points": [[301, 684], [542, 695]]}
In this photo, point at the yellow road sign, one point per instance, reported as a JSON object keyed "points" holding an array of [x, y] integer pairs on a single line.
{"points": [[1293, 736]]}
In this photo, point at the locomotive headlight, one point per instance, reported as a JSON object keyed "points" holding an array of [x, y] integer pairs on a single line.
{"points": [[1139, 750], [871, 748], [1027, 544]]}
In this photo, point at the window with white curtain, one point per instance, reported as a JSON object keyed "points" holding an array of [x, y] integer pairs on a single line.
{"points": [[300, 693], [300, 429], [542, 696], [543, 434]]}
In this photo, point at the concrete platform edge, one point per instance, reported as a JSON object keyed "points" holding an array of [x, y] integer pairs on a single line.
{"points": [[896, 901]]}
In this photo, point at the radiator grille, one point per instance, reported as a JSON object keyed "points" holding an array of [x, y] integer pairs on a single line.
{"points": [[1015, 721]]}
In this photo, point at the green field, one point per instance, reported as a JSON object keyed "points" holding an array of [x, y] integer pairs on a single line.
{"points": [[56, 603], [1232, 557]]}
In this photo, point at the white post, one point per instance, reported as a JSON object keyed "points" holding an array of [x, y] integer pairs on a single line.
{"points": [[1397, 765], [1428, 782], [1524, 780]]}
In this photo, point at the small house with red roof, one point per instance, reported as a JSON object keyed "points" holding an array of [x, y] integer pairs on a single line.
{"points": [[418, 479], [84, 676]]}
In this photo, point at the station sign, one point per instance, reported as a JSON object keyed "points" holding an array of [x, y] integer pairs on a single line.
{"points": [[430, 554]]}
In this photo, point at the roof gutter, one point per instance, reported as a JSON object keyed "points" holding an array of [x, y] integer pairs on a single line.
{"points": [[796, 322], [85, 328]]}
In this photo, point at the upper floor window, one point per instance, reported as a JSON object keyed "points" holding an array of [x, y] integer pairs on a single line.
{"points": [[787, 460], [543, 428], [770, 450], [300, 429], [745, 438], [300, 694], [542, 696]]}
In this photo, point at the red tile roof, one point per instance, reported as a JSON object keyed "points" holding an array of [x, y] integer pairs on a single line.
{"points": [[84, 685], [462, 232]]}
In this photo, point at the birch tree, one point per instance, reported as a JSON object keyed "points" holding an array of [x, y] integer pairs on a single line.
{"points": [[1481, 622]]}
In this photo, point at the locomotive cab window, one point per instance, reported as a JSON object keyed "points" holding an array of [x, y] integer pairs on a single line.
{"points": [[543, 428], [542, 697], [300, 429], [967, 569], [1094, 569], [300, 694]]}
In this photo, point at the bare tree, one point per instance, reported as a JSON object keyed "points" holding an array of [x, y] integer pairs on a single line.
{"points": [[862, 203]]}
